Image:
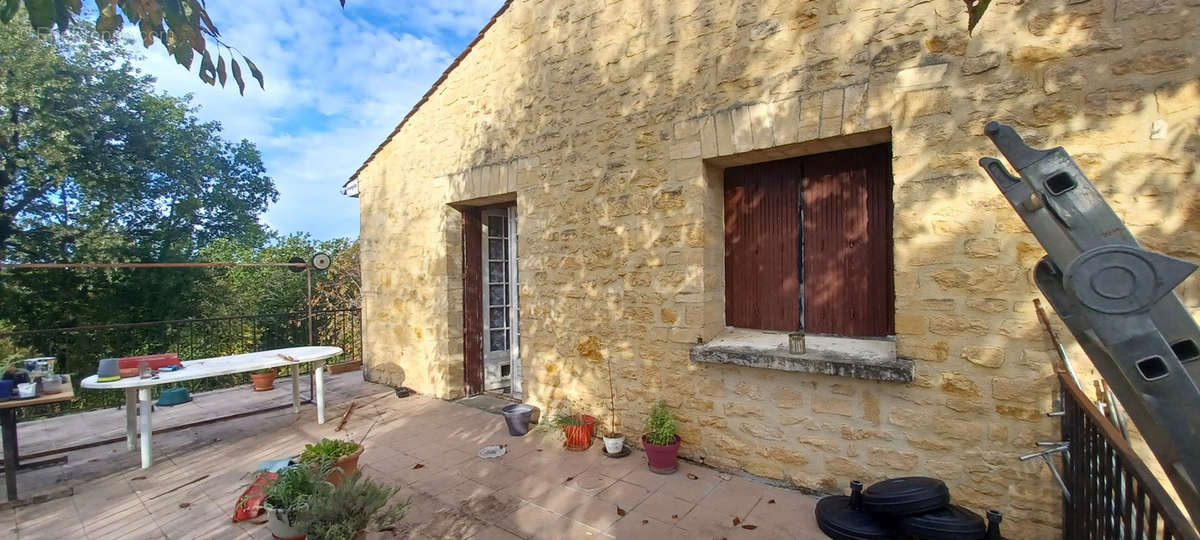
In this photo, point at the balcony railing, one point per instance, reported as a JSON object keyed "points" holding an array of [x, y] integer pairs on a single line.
{"points": [[79, 349], [1112, 492]]}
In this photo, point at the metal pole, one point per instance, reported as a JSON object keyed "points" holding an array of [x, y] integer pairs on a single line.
{"points": [[32, 266], [312, 386]]}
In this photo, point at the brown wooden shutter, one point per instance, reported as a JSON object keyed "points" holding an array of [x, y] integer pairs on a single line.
{"points": [[762, 246], [472, 231], [848, 285]]}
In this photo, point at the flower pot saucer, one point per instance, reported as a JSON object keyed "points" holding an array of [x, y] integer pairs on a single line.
{"points": [[625, 451], [670, 470]]}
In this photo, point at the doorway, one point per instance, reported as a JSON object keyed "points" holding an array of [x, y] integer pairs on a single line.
{"points": [[500, 301]]}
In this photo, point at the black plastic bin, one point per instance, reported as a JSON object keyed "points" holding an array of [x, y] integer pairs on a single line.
{"points": [[518, 416]]}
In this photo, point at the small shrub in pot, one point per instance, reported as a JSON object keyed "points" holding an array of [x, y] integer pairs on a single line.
{"points": [[577, 428], [286, 500], [336, 458], [345, 511], [661, 439]]}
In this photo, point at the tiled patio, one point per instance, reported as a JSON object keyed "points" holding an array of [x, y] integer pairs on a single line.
{"points": [[537, 490]]}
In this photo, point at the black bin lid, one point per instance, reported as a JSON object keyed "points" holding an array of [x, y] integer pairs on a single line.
{"points": [[906, 496], [840, 521], [950, 523]]}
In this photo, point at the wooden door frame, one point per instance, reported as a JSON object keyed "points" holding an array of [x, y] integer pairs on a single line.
{"points": [[472, 272]]}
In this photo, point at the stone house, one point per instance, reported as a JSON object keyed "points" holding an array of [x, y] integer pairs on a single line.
{"points": [[690, 180]]}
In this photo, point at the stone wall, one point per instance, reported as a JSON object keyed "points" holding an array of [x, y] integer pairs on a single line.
{"points": [[611, 122]]}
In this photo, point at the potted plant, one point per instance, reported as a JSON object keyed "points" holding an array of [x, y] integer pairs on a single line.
{"points": [[577, 428], [347, 511], [264, 379], [614, 441], [287, 499], [661, 439], [335, 458]]}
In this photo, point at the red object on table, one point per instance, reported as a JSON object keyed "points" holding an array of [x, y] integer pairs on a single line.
{"points": [[249, 505], [129, 364]]}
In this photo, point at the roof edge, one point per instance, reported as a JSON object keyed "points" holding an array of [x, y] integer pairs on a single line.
{"points": [[432, 89]]}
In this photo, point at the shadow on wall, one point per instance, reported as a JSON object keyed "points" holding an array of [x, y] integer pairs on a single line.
{"points": [[614, 250]]}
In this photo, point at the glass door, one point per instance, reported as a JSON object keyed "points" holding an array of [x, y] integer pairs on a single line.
{"points": [[501, 359]]}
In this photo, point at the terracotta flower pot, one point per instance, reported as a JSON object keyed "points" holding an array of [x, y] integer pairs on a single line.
{"points": [[579, 437], [263, 381], [661, 456], [344, 466]]}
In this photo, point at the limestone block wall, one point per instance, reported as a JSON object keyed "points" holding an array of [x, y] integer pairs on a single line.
{"points": [[610, 122]]}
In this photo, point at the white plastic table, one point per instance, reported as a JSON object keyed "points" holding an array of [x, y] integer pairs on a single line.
{"points": [[138, 389]]}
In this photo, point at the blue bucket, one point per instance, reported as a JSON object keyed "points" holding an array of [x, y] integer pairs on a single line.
{"points": [[6, 389]]}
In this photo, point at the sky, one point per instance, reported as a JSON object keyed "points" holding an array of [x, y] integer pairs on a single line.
{"points": [[337, 82]]}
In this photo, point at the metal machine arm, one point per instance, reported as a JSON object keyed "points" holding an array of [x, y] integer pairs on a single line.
{"points": [[1116, 298]]}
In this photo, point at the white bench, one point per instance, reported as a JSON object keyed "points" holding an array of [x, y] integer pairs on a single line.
{"points": [[138, 389]]}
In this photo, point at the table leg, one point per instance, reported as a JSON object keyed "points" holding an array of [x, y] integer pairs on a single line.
{"points": [[296, 389], [319, 378], [144, 421], [130, 417], [8, 423]]}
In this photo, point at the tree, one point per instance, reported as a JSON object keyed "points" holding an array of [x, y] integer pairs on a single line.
{"points": [[183, 27], [251, 290], [96, 166]]}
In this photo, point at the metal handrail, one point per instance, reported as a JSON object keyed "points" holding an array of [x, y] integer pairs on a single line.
{"points": [[1113, 493]]}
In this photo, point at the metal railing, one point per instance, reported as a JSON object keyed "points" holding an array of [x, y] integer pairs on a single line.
{"points": [[79, 349], [1110, 491]]}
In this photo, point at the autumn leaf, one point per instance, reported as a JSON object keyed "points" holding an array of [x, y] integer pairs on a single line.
{"points": [[772, 501], [184, 504], [620, 512], [645, 521], [736, 522], [749, 527], [418, 466], [569, 478], [674, 516], [692, 476]]}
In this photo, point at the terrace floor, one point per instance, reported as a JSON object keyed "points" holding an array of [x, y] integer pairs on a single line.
{"points": [[537, 490]]}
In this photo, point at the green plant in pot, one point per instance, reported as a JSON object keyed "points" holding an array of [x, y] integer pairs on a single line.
{"points": [[336, 458], [577, 428], [661, 439], [347, 511], [287, 500], [263, 379]]}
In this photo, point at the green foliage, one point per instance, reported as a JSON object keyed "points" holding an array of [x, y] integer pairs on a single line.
{"points": [[975, 10], [183, 27], [238, 291], [293, 490], [10, 350], [660, 424], [565, 419], [96, 166], [341, 512], [327, 451]]}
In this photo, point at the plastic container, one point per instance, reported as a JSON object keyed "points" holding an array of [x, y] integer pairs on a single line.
{"points": [[906, 496], [27, 390], [518, 417], [51, 384], [950, 523], [843, 518], [6, 389]]}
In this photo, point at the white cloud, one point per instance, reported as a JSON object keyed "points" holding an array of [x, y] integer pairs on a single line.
{"points": [[337, 82]]}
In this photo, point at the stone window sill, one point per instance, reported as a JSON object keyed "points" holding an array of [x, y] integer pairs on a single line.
{"points": [[870, 359]]}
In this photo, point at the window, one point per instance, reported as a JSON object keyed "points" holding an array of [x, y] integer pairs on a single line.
{"points": [[808, 244]]}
